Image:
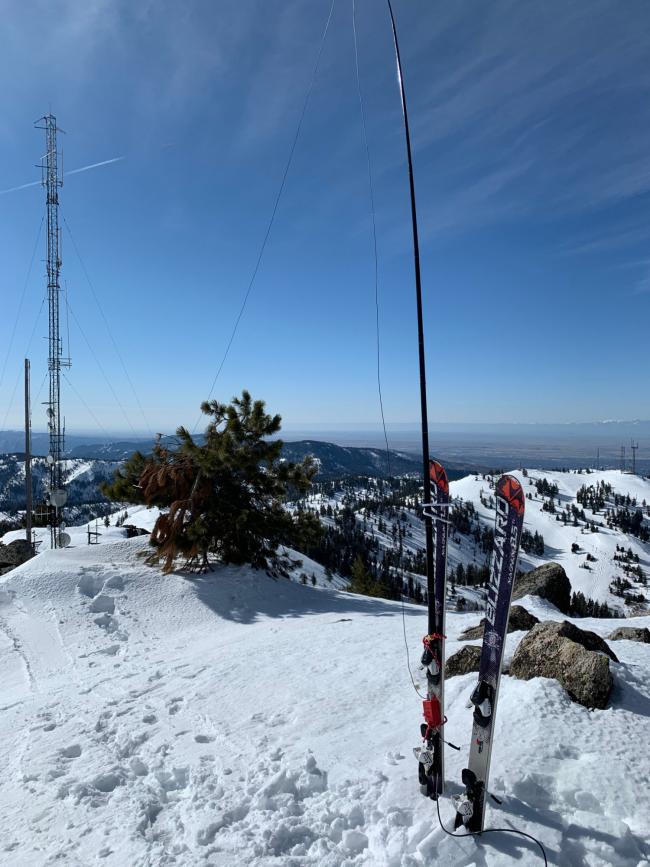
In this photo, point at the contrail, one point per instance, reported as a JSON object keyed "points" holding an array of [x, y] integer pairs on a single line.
{"points": [[73, 172], [95, 165], [21, 187]]}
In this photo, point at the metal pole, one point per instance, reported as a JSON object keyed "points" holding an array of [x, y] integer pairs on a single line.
{"points": [[28, 458], [428, 522]]}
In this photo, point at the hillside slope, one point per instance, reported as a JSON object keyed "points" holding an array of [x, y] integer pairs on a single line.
{"points": [[559, 538], [585, 544], [237, 719]]}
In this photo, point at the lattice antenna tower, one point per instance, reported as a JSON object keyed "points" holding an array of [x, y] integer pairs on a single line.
{"points": [[52, 179]]}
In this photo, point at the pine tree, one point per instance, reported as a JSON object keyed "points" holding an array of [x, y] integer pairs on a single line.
{"points": [[223, 496], [125, 486], [360, 580]]}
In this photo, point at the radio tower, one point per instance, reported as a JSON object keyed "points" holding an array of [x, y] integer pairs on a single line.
{"points": [[52, 182]]}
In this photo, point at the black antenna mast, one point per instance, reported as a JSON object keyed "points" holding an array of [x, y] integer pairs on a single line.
{"points": [[428, 523]]}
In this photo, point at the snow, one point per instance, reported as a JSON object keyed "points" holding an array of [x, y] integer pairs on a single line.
{"points": [[75, 469], [139, 516], [234, 718], [596, 550], [559, 538]]}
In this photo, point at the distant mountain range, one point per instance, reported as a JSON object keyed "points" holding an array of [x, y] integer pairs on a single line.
{"points": [[337, 461], [97, 461], [461, 447], [78, 446]]}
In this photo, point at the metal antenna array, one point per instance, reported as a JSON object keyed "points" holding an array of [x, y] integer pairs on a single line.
{"points": [[51, 181]]}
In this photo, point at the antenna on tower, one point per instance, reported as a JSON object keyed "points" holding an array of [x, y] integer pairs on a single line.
{"points": [[51, 180], [634, 448]]}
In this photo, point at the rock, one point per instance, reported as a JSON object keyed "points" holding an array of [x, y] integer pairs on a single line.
{"points": [[21, 548], [463, 661], [132, 531], [630, 633], [589, 640], [577, 659], [473, 633], [549, 582], [520, 620], [16, 552]]}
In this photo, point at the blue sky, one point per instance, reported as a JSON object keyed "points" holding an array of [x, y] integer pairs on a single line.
{"points": [[531, 134]]}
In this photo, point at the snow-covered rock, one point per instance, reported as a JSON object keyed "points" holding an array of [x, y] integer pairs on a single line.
{"points": [[630, 633]]}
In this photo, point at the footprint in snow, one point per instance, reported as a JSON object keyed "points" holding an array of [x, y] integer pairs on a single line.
{"points": [[109, 781], [394, 757], [105, 621], [115, 582], [175, 705], [172, 781], [103, 720], [149, 813], [138, 767], [103, 603], [90, 583]]}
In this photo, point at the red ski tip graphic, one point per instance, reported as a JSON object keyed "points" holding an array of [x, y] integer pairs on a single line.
{"points": [[509, 488], [438, 476]]}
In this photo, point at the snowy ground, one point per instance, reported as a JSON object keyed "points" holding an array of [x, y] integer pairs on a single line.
{"points": [[139, 516], [236, 719]]}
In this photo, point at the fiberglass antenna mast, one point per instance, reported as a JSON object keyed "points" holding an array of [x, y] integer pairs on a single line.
{"points": [[428, 522]]}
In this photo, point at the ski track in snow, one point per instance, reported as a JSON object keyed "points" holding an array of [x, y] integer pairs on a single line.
{"points": [[237, 719]]}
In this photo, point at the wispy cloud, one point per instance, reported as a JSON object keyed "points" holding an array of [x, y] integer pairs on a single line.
{"points": [[517, 108], [556, 93], [615, 238]]}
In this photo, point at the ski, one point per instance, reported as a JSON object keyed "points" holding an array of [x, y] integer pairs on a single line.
{"points": [[510, 507], [431, 771]]}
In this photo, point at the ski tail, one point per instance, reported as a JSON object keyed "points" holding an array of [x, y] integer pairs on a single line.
{"points": [[431, 754], [510, 508]]}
